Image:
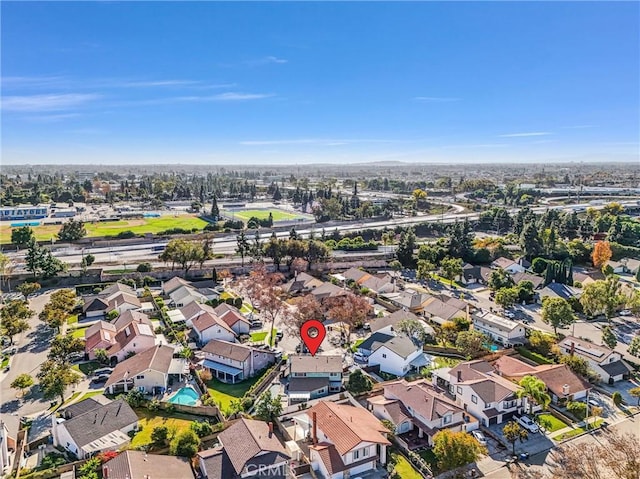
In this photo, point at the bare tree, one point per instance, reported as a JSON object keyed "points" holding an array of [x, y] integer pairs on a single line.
{"points": [[306, 308], [265, 291], [349, 309]]}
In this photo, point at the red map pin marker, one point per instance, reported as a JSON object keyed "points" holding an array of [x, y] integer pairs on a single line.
{"points": [[312, 333]]}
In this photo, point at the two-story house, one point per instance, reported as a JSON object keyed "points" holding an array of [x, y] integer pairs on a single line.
{"points": [[247, 449], [398, 356], [205, 323], [607, 363], [94, 425], [509, 265], [147, 371], [233, 318], [312, 377], [389, 324], [234, 362], [131, 332], [481, 392], [501, 330], [346, 440], [117, 297], [418, 411]]}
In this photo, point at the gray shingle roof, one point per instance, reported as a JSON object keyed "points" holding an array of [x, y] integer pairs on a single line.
{"points": [[137, 464]]}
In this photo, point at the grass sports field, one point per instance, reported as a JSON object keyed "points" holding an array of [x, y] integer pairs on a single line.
{"points": [[112, 228], [278, 215]]}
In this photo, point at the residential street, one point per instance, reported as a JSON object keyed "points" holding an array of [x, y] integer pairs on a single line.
{"points": [[33, 346]]}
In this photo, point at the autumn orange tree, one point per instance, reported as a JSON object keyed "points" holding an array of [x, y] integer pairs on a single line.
{"points": [[265, 291], [601, 254], [349, 309], [306, 308]]}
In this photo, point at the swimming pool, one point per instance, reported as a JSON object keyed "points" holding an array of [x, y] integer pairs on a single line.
{"points": [[491, 347], [186, 396], [18, 224]]}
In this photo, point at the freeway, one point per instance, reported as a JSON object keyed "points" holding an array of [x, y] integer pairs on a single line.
{"points": [[226, 243]]}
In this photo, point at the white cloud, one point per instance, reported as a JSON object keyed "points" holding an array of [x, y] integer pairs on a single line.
{"points": [[435, 99], [53, 102], [519, 135]]}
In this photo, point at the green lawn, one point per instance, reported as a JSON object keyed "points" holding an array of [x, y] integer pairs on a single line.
{"points": [[120, 271], [227, 294], [356, 344], [259, 336], [87, 368], [405, 469], [78, 332], [247, 308], [90, 394], [554, 425], [150, 420], [73, 319], [578, 430], [224, 393], [535, 357], [278, 215], [112, 228], [71, 398], [5, 361]]}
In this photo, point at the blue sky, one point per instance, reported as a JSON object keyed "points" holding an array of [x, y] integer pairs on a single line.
{"points": [[223, 83]]}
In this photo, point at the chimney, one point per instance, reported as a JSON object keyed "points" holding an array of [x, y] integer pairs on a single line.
{"points": [[573, 348], [270, 429], [314, 430], [459, 376]]}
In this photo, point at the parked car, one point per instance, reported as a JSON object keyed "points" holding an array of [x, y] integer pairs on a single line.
{"points": [[528, 424], [279, 335], [366, 327], [99, 379], [479, 437], [625, 312], [10, 351], [101, 371], [73, 357], [510, 314], [360, 357]]}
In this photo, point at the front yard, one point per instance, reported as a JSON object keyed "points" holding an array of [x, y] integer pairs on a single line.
{"points": [[577, 430], [551, 423], [86, 368]]}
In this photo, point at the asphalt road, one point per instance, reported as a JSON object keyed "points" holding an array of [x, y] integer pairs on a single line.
{"points": [[33, 346]]}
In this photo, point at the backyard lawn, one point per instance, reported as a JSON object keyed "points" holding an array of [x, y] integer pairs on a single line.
{"points": [[405, 469], [224, 393], [551, 423], [150, 420]]}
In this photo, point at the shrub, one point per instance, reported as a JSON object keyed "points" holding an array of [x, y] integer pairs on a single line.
{"points": [[185, 444], [126, 234], [205, 375], [617, 398], [202, 429], [144, 268], [159, 435]]}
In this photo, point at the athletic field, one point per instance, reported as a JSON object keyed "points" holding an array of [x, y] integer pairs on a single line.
{"points": [[112, 228], [278, 215]]}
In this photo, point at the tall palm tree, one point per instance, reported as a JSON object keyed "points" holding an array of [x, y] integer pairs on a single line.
{"points": [[535, 391]]}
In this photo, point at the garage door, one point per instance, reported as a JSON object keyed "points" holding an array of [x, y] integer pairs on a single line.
{"points": [[493, 420], [508, 415]]}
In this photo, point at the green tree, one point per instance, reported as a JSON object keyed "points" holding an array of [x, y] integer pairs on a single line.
{"points": [[22, 236], [455, 449], [530, 241], [359, 382], [472, 343], [63, 346], [55, 378], [424, 269], [242, 246], [535, 391], [88, 260], [22, 382], [405, 249], [13, 318], [72, 230], [268, 407], [541, 342], [635, 392], [577, 364], [451, 268], [634, 346], [160, 435], [557, 312], [500, 279], [506, 297], [28, 288], [215, 211], [101, 355], [616, 397], [512, 432], [608, 338], [186, 253], [41, 263], [185, 444], [603, 297]]}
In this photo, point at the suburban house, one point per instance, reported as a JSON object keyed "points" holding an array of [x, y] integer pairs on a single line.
{"points": [[607, 363], [475, 274], [418, 412], [233, 318], [398, 356], [379, 284], [481, 392], [131, 332], [558, 290], [407, 300], [312, 377], [147, 371], [367, 346], [186, 294], [442, 308], [118, 297], [6, 444], [248, 448], [302, 283], [132, 464], [346, 440], [174, 283], [327, 290], [94, 425], [509, 265], [501, 330], [624, 265], [389, 324], [234, 362], [562, 383], [206, 324], [537, 281]]}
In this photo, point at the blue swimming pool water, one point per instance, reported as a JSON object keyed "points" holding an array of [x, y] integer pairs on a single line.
{"points": [[18, 224], [492, 347], [186, 396]]}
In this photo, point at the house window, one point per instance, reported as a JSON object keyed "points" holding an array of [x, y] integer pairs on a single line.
{"points": [[356, 455], [474, 399], [446, 419], [365, 452], [140, 376], [459, 390], [487, 405], [384, 355]]}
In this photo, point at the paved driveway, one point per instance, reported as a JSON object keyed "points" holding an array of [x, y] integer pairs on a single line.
{"points": [[534, 444]]}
